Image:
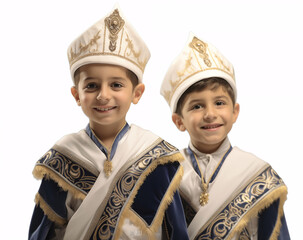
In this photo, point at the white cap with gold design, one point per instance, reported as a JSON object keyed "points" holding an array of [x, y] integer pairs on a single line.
{"points": [[198, 60], [111, 40]]}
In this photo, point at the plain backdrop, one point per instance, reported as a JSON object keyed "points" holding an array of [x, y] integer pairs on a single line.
{"points": [[263, 40]]}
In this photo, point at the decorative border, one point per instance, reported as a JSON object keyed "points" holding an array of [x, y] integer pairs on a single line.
{"points": [[68, 174], [123, 194], [260, 193]]}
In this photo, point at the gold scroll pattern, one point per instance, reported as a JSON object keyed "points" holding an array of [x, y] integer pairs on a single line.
{"points": [[70, 171], [106, 226], [223, 223]]}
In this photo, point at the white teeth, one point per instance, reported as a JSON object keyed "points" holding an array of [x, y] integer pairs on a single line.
{"points": [[210, 127], [104, 109]]}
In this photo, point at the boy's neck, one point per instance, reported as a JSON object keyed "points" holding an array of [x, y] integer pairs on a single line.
{"points": [[107, 135], [209, 149]]}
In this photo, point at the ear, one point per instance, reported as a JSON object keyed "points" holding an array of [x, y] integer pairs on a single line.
{"points": [[75, 94], [178, 121], [138, 92], [236, 112]]}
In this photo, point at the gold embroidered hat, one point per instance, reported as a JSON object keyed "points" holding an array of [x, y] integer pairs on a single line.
{"points": [[112, 40], [198, 60]]}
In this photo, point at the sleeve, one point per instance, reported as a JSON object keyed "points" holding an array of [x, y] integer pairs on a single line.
{"points": [[50, 211], [267, 222], [174, 222], [159, 194]]}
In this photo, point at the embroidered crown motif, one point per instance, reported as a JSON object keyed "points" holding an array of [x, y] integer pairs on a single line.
{"points": [[198, 60], [114, 23], [201, 47], [111, 40]]}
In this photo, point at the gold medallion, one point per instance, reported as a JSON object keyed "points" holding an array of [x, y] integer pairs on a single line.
{"points": [[204, 198], [107, 167]]}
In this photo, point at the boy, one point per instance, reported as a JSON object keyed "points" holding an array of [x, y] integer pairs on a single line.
{"points": [[227, 193], [110, 180]]}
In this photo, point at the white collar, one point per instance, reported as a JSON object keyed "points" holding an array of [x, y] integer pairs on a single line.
{"points": [[217, 155]]}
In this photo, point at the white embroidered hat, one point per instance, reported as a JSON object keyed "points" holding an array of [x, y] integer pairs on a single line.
{"points": [[198, 60], [111, 40]]}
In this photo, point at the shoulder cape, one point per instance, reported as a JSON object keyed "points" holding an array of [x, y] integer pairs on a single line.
{"points": [[244, 187], [142, 160]]}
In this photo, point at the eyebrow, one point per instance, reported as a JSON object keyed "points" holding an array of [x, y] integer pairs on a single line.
{"points": [[110, 78]]}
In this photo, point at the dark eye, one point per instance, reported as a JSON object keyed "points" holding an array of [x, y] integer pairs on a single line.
{"points": [[116, 85], [197, 106], [220, 103], [91, 85]]}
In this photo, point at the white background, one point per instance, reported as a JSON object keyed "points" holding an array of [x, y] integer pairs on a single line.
{"points": [[263, 40]]}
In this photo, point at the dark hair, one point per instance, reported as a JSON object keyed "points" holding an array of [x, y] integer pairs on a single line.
{"points": [[133, 77], [213, 83]]}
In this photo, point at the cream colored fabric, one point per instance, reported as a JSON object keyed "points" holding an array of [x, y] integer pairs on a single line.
{"points": [[112, 40], [237, 171], [198, 60], [134, 142]]}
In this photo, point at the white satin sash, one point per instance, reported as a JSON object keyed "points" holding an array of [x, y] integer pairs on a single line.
{"points": [[132, 144], [237, 171]]}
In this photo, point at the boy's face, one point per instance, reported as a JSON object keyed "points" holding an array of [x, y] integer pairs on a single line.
{"points": [[105, 93], [208, 116]]}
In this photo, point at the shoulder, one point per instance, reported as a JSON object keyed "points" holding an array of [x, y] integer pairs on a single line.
{"points": [[139, 131], [72, 138], [239, 153]]}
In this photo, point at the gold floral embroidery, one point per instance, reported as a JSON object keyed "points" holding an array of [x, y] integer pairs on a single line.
{"points": [[85, 48]]}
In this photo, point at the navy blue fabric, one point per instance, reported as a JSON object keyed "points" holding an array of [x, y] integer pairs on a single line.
{"points": [[176, 223], [40, 225], [54, 196], [124, 130], [150, 195], [284, 234], [267, 221]]}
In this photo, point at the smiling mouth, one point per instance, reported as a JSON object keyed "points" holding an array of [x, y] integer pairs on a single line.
{"points": [[104, 109], [209, 127]]}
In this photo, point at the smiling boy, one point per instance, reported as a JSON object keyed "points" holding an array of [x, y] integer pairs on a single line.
{"points": [[110, 180], [227, 193]]}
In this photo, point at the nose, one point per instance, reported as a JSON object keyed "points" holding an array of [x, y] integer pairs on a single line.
{"points": [[103, 94], [210, 113]]}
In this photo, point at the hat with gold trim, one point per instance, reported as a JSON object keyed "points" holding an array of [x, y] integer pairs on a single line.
{"points": [[198, 60], [111, 40]]}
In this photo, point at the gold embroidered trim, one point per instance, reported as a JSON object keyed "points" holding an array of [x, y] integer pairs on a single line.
{"points": [[130, 46], [48, 210], [279, 193], [40, 172], [109, 54], [167, 199], [168, 94], [255, 197], [73, 56], [122, 196]]}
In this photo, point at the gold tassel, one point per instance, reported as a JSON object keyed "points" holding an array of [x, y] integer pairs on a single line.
{"points": [[40, 172], [48, 211], [279, 193], [167, 199]]}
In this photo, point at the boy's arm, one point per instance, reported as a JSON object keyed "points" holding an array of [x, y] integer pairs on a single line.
{"points": [[174, 222], [268, 220], [50, 211]]}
